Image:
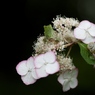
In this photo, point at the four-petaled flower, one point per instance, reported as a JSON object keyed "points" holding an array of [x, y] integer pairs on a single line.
{"points": [[68, 79], [85, 32], [27, 71], [46, 64]]}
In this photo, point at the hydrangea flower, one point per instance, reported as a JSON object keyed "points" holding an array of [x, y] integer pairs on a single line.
{"points": [[68, 79], [85, 32], [46, 64], [27, 71]]}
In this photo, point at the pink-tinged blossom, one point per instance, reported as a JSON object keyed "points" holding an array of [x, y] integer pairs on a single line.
{"points": [[85, 32], [68, 79], [27, 71], [46, 64]]}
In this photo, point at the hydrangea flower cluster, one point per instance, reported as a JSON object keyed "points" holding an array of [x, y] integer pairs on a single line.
{"points": [[88, 32], [50, 56]]}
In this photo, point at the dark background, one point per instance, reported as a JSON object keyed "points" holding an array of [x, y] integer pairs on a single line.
{"points": [[21, 23]]}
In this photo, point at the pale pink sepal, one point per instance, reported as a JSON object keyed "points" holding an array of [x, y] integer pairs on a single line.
{"points": [[21, 68], [52, 68]]}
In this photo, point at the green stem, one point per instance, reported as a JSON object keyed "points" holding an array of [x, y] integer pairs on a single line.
{"points": [[68, 45], [69, 51]]}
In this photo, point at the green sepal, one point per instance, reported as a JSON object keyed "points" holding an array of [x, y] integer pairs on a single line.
{"points": [[48, 31]]}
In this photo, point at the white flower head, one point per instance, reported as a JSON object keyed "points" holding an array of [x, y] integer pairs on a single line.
{"points": [[46, 64], [68, 79], [85, 32], [27, 71]]}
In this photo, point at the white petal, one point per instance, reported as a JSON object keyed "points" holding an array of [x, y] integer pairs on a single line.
{"points": [[28, 79], [30, 63], [39, 61], [92, 30], [52, 68], [85, 24], [73, 82], [34, 74], [41, 72], [88, 39], [60, 79], [49, 57], [66, 86], [79, 33], [21, 68], [67, 74], [74, 73]]}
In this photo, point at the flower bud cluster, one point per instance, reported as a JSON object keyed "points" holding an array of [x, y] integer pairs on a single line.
{"points": [[64, 26], [65, 63]]}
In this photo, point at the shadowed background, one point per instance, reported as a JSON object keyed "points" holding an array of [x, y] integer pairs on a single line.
{"points": [[22, 22]]}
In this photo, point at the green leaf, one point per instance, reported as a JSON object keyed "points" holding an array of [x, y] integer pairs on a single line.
{"points": [[48, 31], [86, 54]]}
